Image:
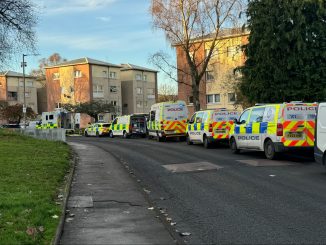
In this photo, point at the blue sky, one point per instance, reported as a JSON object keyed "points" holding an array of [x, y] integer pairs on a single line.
{"points": [[116, 31]]}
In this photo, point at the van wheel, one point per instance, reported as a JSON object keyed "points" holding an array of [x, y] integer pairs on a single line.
{"points": [[111, 134], [125, 135], [188, 140], [269, 150], [233, 146], [206, 142]]}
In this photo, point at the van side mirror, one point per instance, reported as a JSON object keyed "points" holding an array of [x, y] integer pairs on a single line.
{"points": [[243, 122], [236, 121]]}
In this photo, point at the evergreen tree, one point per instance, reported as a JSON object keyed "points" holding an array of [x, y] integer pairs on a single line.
{"points": [[286, 53]]}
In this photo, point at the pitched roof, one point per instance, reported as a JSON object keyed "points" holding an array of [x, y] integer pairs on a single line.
{"points": [[126, 67], [14, 74], [84, 60]]}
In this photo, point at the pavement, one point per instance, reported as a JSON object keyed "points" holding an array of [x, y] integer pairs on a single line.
{"points": [[106, 205]]}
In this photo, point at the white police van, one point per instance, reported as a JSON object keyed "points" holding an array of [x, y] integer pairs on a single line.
{"points": [[320, 135]]}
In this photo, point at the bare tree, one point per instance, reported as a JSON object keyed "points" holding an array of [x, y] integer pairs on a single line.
{"points": [[17, 20], [187, 25], [167, 92], [53, 59]]}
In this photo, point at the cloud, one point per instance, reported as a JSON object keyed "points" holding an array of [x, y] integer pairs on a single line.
{"points": [[103, 18], [72, 6]]}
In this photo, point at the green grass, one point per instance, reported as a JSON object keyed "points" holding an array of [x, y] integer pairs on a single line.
{"points": [[31, 173]]}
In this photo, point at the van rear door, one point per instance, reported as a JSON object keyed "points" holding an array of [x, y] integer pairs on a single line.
{"points": [[175, 117], [320, 142], [299, 124]]}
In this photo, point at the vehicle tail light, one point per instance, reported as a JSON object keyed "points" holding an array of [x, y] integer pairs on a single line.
{"points": [[279, 131], [162, 125], [210, 128]]}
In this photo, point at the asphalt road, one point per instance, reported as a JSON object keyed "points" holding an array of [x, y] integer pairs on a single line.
{"points": [[243, 199]]}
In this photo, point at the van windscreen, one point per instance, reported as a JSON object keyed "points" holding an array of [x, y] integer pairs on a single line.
{"points": [[300, 113], [175, 112]]}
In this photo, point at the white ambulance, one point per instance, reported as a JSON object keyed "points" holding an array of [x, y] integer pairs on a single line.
{"points": [[275, 128]]}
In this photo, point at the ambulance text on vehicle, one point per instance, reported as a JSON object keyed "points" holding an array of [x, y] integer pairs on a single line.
{"points": [[167, 119], [275, 128], [210, 126]]}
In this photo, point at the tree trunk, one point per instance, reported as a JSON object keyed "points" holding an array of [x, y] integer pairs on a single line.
{"points": [[195, 94]]}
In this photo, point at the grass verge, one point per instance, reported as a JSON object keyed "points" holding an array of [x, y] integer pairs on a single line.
{"points": [[31, 173]]}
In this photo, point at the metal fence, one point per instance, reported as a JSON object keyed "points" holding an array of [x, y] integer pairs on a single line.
{"points": [[54, 134]]}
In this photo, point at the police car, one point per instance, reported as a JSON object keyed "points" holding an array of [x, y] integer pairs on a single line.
{"points": [[210, 126], [97, 129], [275, 128]]}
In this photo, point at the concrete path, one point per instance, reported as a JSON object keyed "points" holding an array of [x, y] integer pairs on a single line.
{"points": [[106, 205]]}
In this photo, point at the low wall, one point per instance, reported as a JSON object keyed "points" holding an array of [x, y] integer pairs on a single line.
{"points": [[55, 134]]}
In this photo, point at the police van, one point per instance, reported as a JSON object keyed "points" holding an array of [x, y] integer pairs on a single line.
{"points": [[320, 139], [210, 126], [129, 125], [167, 119], [275, 128]]}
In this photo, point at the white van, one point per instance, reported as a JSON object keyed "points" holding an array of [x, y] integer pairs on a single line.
{"points": [[167, 119], [320, 134]]}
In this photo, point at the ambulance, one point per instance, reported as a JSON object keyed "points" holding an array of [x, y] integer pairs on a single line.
{"points": [[167, 120], [210, 126], [275, 128], [320, 138], [129, 125]]}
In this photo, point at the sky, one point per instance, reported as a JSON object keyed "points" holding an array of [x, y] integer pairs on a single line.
{"points": [[115, 31]]}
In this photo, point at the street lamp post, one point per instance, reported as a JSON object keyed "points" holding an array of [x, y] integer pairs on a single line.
{"points": [[24, 64]]}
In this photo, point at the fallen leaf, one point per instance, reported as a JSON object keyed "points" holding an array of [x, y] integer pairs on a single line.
{"points": [[31, 231], [173, 223], [185, 233], [55, 216], [150, 208], [41, 228]]}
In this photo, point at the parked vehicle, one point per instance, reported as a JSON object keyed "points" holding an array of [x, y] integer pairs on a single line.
{"points": [[167, 119], [11, 125], [275, 128], [210, 126], [97, 129], [129, 125], [320, 135], [59, 118]]}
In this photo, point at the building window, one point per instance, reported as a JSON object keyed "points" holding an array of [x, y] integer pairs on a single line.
{"points": [[214, 53], [232, 51], [114, 102], [213, 98], [113, 116], [139, 91], [55, 76], [139, 104], [27, 94], [209, 75], [145, 77], [29, 83], [231, 97], [191, 99], [145, 103], [113, 89], [98, 91], [113, 75], [150, 91], [105, 73], [78, 74], [138, 77], [12, 95], [125, 105]]}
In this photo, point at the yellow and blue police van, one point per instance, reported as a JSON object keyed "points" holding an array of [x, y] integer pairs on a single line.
{"points": [[275, 128], [129, 125], [97, 129], [167, 120], [210, 126]]}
